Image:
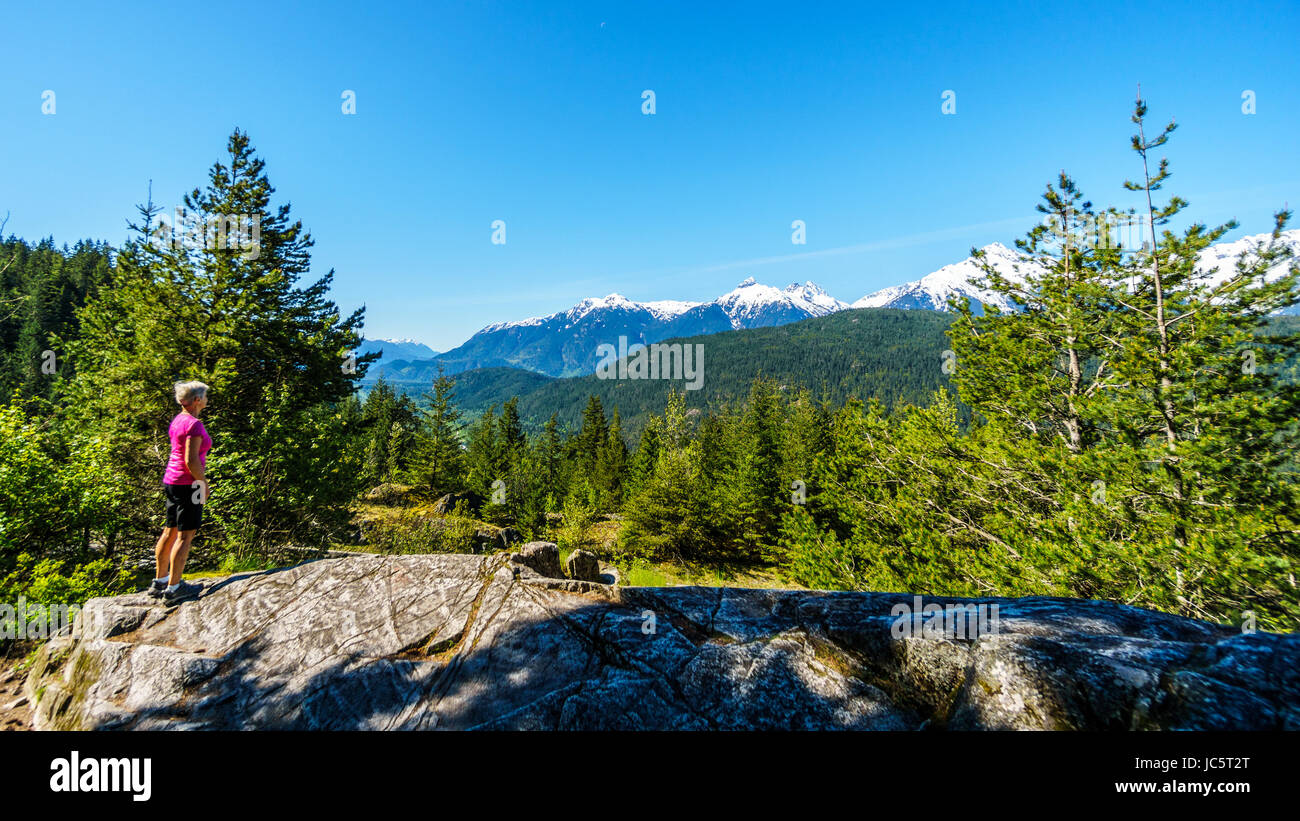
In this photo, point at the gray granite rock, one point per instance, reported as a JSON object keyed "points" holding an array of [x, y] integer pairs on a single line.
{"points": [[486, 642], [543, 557], [583, 566]]}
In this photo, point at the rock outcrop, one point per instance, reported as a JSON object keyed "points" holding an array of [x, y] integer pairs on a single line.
{"points": [[543, 557], [583, 565], [484, 642], [446, 504]]}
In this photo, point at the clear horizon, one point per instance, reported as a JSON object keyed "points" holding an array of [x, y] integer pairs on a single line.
{"points": [[533, 115]]}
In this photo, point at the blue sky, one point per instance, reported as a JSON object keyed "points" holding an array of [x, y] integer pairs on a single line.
{"points": [[531, 113]]}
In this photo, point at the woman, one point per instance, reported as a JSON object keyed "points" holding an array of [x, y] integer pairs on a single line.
{"points": [[186, 487]]}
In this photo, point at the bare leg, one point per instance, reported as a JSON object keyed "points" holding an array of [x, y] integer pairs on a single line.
{"points": [[180, 552], [163, 552]]}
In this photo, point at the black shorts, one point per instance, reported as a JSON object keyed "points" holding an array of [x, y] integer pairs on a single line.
{"points": [[183, 512]]}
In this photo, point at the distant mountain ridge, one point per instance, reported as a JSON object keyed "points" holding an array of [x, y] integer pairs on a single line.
{"points": [[391, 349], [564, 343], [933, 290]]}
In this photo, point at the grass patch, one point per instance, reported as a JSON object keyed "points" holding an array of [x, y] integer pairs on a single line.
{"points": [[643, 573]]}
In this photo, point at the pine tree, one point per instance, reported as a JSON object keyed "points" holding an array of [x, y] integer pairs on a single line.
{"points": [[647, 455], [612, 464], [1041, 365], [549, 458], [760, 497], [233, 316], [1204, 423], [441, 461], [592, 436], [510, 440], [669, 515], [481, 462]]}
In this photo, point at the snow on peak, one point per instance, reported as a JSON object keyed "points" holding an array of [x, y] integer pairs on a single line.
{"points": [[590, 304], [808, 287], [515, 323], [1224, 256], [812, 298], [933, 289], [665, 309], [750, 299]]}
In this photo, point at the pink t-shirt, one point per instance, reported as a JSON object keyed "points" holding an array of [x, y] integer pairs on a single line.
{"points": [[182, 427]]}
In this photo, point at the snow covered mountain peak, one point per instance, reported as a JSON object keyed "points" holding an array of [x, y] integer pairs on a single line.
{"points": [[609, 302], [808, 287], [1224, 255], [665, 309], [750, 303], [932, 290], [813, 298]]}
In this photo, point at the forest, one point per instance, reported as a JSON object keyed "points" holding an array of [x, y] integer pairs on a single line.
{"points": [[1129, 435]]}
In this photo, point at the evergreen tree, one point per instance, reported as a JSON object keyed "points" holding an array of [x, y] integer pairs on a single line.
{"points": [[592, 436], [510, 439], [233, 316], [670, 516], [481, 463], [647, 455], [441, 461], [1134, 434], [612, 465], [549, 459], [1198, 404], [1043, 364], [761, 498]]}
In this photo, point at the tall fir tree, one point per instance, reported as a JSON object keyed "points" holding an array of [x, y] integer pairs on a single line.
{"points": [[1042, 364], [441, 460], [481, 460], [232, 315]]}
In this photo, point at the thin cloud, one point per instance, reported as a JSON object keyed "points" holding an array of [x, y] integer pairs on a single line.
{"points": [[906, 241]]}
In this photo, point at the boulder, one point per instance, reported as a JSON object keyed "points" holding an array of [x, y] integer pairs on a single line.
{"points": [[388, 494], [610, 575], [486, 540], [486, 642], [542, 557], [583, 566], [447, 504]]}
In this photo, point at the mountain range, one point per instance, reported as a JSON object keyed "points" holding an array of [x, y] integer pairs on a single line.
{"points": [[395, 349], [565, 343]]}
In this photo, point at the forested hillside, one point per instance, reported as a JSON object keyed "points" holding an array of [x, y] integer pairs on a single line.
{"points": [[891, 355]]}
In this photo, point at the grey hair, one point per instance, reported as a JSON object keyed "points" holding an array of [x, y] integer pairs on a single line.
{"points": [[187, 392]]}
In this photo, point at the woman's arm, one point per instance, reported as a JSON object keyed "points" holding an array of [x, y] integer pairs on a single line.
{"points": [[192, 445]]}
